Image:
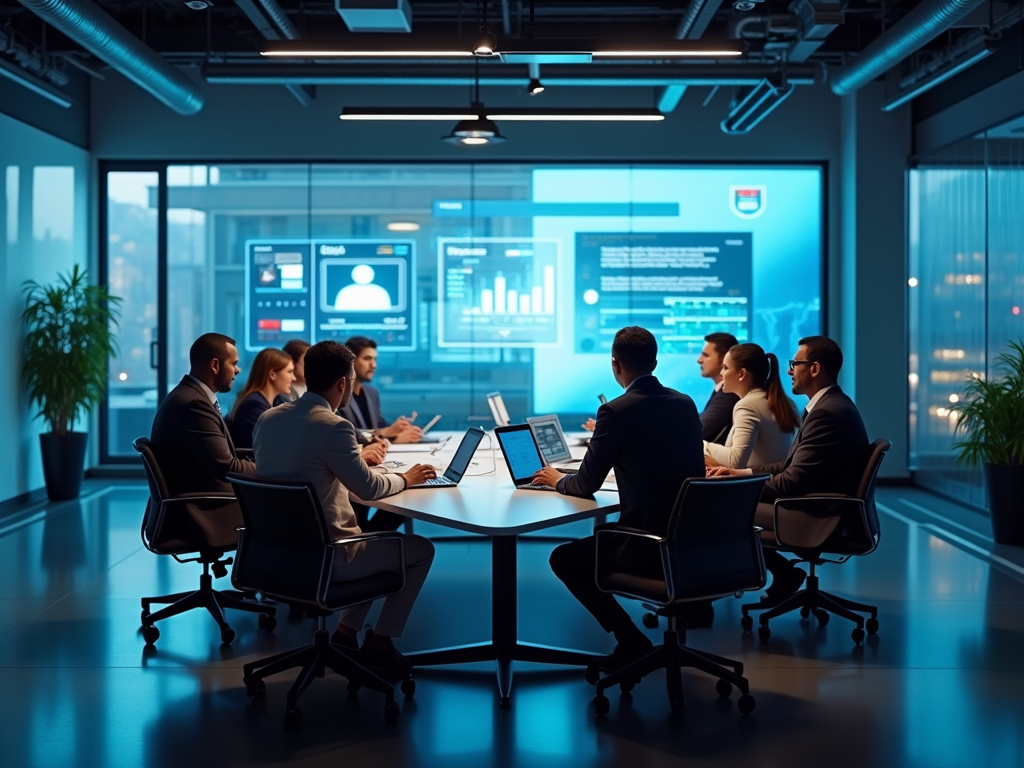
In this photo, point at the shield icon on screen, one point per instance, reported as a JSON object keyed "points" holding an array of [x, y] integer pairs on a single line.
{"points": [[748, 202]]}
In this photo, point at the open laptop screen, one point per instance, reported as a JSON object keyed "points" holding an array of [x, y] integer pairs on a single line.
{"points": [[550, 438], [520, 451], [498, 409], [464, 454]]}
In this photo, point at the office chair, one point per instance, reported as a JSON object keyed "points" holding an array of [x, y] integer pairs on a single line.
{"points": [[811, 527], [285, 552], [200, 524], [712, 549]]}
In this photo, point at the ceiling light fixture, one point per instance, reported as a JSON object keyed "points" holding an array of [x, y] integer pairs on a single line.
{"points": [[476, 132], [485, 43], [403, 226], [535, 86], [509, 51], [410, 114]]}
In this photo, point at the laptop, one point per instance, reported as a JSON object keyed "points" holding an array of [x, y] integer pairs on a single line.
{"points": [[425, 438], [551, 440], [522, 456], [498, 410], [459, 464]]}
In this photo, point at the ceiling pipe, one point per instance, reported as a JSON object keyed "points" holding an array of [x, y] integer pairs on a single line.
{"points": [[272, 23], [692, 25], [277, 15], [561, 76], [919, 27], [94, 30]]}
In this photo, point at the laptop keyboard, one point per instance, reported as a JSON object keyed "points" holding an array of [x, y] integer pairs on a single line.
{"points": [[531, 487], [437, 481]]}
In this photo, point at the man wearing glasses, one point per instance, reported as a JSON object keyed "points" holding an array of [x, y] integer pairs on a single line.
{"points": [[827, 455]]}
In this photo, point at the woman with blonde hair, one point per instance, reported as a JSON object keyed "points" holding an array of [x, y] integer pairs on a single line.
{"points": [[763, 421], [270, 382]]}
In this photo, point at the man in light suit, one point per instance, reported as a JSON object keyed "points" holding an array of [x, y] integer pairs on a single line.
{"points": [[716, 418], [306, 441], [828, 454], [663, 423], [363, 408], [190, 440]]}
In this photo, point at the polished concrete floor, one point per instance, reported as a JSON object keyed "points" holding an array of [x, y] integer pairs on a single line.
{"points": [[939, 686]]}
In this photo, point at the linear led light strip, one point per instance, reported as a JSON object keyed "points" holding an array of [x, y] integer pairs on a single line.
{"points": [[597, 116], [536, 48]]}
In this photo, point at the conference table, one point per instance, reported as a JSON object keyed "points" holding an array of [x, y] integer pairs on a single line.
{"points": [[487, 503]]}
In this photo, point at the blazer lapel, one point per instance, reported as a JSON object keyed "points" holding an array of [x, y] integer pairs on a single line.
{"points": [[202, 396]]}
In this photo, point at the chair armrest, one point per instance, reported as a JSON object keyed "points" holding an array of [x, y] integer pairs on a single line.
{"points": [[245, 453], [331, 552], [613, 528], [806, 522], [367, 537]]}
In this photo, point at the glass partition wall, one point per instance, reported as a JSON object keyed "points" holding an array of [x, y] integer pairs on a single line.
{"points": [[472, 278], [966, 283]]}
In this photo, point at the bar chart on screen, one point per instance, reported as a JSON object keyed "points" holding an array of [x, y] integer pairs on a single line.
{"points": [[498, 292]]}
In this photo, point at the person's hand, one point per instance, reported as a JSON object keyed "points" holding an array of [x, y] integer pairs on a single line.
{"points": [[374, 453], [418, 473], [411, 434], [395, 428], [720, 471], [589, 425], [711, 461], [546, 476]]}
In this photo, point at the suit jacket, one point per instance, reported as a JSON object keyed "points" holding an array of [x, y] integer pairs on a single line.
{"points": [[716, 418], [304, 441], [755, 437], [192, 444], [828, 453], [651, 437], [352, 413]]}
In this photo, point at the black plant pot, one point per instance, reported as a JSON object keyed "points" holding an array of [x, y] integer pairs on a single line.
{"points": [[1005, 486], [63, 464]]}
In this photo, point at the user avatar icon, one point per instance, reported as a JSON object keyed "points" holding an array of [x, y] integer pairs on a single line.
{"points": [[362, 294]]}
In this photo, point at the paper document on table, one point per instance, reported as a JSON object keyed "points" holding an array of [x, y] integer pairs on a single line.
{"points": [[412, 448]]}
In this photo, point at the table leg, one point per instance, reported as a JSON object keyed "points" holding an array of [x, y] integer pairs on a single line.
{"points": [[504, 621]]}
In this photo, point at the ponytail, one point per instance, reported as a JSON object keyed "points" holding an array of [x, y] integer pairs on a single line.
{"points": [[782, 407]]}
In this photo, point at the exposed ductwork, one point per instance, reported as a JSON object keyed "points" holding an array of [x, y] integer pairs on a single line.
{"points": [[98, 33], [31, 58], [919, 27], [692, 25]]}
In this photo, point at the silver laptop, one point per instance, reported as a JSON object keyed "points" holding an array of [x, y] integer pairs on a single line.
{"points": [[547, 430], [459, 464], [498, 410], [522, 456]]}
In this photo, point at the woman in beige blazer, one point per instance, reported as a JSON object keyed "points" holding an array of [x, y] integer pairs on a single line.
{"points": [[763, 421]]}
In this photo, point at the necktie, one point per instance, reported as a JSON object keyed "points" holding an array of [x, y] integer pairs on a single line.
{"points": [[216, 404], [802, 420]]}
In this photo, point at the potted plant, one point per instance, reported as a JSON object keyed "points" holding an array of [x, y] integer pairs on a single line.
{"points": [[68, 341], [991, 417]]}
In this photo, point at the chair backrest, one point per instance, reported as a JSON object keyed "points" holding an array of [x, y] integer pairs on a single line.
{"points": [[866, 489], [280, 551], [157, 487], [713, 548]]}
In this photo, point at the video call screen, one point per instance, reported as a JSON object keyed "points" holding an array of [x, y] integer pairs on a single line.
{"points": [[551, 264]]}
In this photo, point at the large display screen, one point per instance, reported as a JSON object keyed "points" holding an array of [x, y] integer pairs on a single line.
{"points": [[516, 277]]}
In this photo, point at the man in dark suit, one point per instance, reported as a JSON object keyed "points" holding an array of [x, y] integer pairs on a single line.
{"points": [[648, 421], [716, 418], [363, 410], [827, 455], [190, 440]]}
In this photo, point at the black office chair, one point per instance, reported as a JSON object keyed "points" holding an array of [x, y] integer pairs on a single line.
{"points": [[712, 549], [285, 552], [204, 525], [812, 527]]}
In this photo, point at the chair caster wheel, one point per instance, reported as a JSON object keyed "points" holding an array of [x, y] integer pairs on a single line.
{"points": [[601, 705], [353, 686], [822, 616], [763, 633], [746, 704], [292, 717], [592, 675], [872, 626], [150, 634], [267, 623], [255, 688], [857, 635], [747, 623], [724, 688], [627, 685], [504, 702], [805, 612], [409, 687], [227, 635], [391, 711], [650, 620]]}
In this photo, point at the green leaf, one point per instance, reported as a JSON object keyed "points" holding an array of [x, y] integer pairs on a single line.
{"points": [[991, 413]]}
